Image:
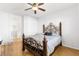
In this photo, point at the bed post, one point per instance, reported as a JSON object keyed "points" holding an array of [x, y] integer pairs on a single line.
{"points": [[43, 28], [23, 37], [60, 29], [44, 46]]}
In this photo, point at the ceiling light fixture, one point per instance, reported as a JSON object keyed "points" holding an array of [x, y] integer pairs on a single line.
{"points": [[35, 7]]}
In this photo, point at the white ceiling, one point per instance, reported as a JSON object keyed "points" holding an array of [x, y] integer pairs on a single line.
{"points": [[18, 8]]}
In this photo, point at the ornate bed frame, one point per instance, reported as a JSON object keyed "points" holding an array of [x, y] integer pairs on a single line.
{"points": [[34, 47]]}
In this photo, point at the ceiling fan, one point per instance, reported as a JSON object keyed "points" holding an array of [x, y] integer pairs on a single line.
{"points": [[35, 7]]}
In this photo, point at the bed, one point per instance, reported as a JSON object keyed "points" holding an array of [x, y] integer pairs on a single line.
{"points": [[44, 44]]}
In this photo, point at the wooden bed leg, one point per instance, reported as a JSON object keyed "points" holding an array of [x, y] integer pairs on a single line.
{"points": [[45, 46], [61, 43], [23, 37]]}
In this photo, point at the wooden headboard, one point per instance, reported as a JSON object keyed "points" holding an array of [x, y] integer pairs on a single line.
{"points": [[51, 27]]}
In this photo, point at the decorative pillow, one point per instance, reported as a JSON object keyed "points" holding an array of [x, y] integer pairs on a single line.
{"points": [[48, 33]]}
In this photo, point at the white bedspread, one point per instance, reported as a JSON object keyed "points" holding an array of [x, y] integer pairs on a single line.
{"points": [[52, 41], [55, 40]]}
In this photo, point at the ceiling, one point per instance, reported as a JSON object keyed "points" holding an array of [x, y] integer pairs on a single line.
{"points": [[18, 8]]}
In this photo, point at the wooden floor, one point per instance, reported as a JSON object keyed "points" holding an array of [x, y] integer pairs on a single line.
{"points": [[64, 51], [15, 49], [61, 51]]}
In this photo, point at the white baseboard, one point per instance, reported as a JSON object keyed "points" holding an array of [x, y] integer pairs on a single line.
{"points": [[70, 46]]}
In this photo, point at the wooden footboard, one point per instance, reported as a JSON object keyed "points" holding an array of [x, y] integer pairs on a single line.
{"points": [[33, 46]]}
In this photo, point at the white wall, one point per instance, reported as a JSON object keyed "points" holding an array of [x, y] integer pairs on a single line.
{"points": [[10, 26], [70, 25], [30, 25]]}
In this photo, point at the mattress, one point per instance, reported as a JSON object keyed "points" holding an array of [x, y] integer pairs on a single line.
{"points": [[52, 41]]}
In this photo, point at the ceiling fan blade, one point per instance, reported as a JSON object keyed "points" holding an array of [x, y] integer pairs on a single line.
{"points": [[28, 9], [34, 11], [29, 4], [41, 9], [40, 4]]}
